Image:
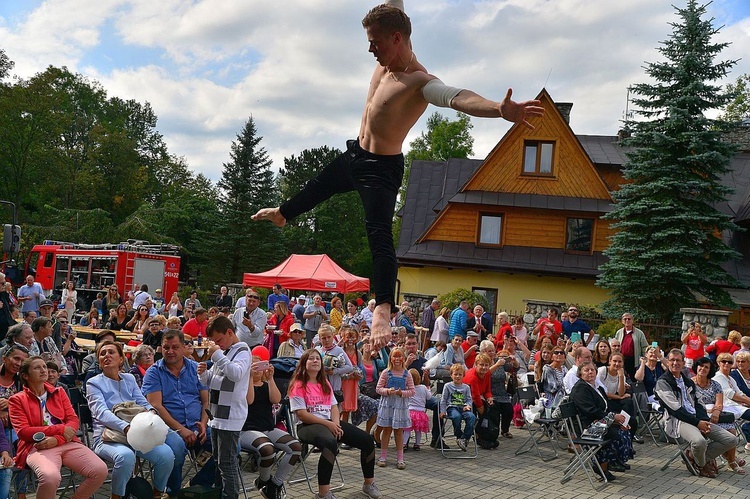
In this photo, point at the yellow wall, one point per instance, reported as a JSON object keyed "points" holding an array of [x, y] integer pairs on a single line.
{"points": [[512, 289]]}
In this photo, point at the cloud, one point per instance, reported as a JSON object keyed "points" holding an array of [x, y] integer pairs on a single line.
{"points": [[301, 67]]}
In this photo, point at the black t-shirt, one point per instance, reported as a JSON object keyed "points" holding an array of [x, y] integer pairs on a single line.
{"points": [[260, 412]]}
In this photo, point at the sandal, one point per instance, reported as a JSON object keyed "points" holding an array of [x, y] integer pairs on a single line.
{"points": [[381, 463], [402, 465], [507, 434], [737, 468], [416, 447], [740, 462]]}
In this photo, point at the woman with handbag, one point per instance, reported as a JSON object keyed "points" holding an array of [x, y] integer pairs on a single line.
{"points": [[112, 397], [709, 393], [46, 424]]}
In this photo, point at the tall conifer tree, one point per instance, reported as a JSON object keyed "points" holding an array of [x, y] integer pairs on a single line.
{"points": [[668, 245]]}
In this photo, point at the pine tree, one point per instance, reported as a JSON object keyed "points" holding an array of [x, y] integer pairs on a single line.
{"points": [[238, 244], [668, 245]]}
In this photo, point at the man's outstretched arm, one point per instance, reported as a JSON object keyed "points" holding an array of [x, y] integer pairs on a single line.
{"points": [[474, 104]]}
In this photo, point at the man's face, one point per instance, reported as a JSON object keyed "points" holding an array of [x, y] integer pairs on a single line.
{"points": [[573, 313], [29, 280], [615, 345], [173, 351], [381, 45], [435, 306], [30, 317], [252, 301], [46, 311], [552, 315], [276, 290], [627, 320], [26, 338], [411, 345], [478, 311], [471, 340], [318, 301], [585, 356], [200, 318], [675, 362], [223, 290], [222, 340]]}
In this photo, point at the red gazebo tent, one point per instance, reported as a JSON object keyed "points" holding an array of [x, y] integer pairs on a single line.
{"points": [[308, 272]]}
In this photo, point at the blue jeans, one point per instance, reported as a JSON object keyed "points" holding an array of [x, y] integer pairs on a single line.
{"points": [[226, 446], [5, 476], [205, 475], [123, 458], [456, 415]]}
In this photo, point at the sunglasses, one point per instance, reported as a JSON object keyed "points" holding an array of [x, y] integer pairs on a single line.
{"points": [[558, 352], [254, 297], [726, 361]]}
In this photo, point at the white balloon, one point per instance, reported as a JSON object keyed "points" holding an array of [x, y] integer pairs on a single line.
{"points": [[147, 430]]}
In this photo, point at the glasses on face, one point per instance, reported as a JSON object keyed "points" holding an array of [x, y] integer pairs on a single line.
{"points": [[725, 362], [254, 297], [572, 310], [62, 321], [558, 352], [627, 319], [739, 361]]}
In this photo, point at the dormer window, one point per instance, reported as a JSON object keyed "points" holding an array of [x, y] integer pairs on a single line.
{"points": [[538, 157]]}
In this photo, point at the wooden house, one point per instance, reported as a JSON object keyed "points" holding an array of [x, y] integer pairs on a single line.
{"points": [[524, 224]]}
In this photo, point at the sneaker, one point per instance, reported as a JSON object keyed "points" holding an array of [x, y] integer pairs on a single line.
{"points": [[371, 490], [461, 444], [401, 465], [271, 491], [329, 495], [259, 484]]}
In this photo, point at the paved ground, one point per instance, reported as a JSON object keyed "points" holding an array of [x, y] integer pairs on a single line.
{"points": [[500, 473]]}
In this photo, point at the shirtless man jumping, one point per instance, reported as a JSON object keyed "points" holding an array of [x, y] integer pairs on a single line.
{"points": [[373, 165]]}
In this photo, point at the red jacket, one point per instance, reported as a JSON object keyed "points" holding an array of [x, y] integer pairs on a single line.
{"points": [[26, 417], [479, 387]]}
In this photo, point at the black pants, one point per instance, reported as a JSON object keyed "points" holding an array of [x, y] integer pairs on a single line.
{"points": [[502, 414], [377, 179], [322, 438]]}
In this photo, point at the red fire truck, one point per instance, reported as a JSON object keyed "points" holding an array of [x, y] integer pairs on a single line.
{"points": [[94, 267]]}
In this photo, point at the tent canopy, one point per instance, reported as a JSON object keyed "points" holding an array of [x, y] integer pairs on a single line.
{"points": [[309, 272]]}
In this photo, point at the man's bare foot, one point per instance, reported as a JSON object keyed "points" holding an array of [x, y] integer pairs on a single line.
{"points": [[380, 332], [272, 214]]}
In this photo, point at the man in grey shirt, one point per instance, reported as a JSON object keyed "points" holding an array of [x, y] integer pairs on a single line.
{"points": [[250, 321], [314, 316]]}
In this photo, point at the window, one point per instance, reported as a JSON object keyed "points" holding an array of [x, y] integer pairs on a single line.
{"points": [[490, 294], [579, 234], [490, 229], [537, 158]]}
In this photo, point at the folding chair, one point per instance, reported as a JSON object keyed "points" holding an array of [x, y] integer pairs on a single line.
{"points": [[682, 446], [541, 431], [584, 449], [650, 418], [472, 449], [306, 451]]}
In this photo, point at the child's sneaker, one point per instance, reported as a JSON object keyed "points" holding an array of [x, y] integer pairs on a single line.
{"points": [[371, 490], [461, 444], [401, 465]]}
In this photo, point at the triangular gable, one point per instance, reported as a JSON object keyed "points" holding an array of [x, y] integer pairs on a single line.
{"points": [[574, 174]]}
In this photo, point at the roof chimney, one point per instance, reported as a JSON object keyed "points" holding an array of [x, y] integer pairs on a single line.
{"points": [[564, 108]]}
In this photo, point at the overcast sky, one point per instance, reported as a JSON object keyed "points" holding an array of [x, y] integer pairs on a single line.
{"points": [[301, 67]]}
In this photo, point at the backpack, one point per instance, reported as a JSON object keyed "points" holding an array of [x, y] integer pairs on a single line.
{"points": [[487, 430]]}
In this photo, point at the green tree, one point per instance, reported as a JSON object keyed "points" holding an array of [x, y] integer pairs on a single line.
{"points": [[453, 299], [334, 227], [667, 247], [6, 65], [738, 108], [237, 243], [443, 140]]}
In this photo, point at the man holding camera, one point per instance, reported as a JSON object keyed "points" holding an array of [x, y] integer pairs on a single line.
{"points": [[314, 316], [250, 321]]}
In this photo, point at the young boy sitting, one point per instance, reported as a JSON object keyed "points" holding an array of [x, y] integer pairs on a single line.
{"points": [[227, 382], [456, 405]]}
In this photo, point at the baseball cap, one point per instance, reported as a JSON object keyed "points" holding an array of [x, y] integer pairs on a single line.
{"points": [[301, 297], [295, 327], [45, 303], [158, 290], [473, 334]]}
